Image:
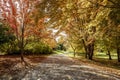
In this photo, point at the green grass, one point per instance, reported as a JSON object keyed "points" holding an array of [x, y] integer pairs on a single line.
{"points": [[100, 59], [58, 52], [105, 56]]}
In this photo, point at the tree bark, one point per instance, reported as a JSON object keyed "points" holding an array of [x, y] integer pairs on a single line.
{"points": [[22, 43], [90, 51], [74, 49], [85, 48], [74, 53], [109, 54], [118, 54], [22, 57]]}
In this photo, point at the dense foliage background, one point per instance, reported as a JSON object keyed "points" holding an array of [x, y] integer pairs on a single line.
{"points": [[38, 27]]}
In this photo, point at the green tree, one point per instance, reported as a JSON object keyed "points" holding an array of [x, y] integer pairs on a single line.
{"points": [[108, 20], [6, 37]]}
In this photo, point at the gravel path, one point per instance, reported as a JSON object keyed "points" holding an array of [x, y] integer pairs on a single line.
{"points": [[58, 67]]}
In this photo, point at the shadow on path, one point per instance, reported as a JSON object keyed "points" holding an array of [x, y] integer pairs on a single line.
{"points": [[58, 67]]}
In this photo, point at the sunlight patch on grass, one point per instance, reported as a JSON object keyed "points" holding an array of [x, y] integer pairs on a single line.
{"points": [[2, 53], [58, 52], [105, 56]]}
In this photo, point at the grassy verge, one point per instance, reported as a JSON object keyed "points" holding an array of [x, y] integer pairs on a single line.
{"points": [[99, 59]]}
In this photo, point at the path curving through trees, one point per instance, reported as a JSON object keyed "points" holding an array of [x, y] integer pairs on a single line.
{"points": [[58, 67]]}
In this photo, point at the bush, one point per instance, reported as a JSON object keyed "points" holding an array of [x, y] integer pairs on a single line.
{"points": [[14, 50], [6, 37], [9, 49], [32, 48], [38, 48]]}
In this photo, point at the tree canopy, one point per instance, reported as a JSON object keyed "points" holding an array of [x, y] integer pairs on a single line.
{"points": [[88, 24]]}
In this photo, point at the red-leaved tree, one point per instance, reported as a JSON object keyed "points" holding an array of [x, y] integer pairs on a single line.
{"points": [[17, 13]]}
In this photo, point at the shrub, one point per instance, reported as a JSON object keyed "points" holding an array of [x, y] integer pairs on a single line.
{"points": [[38, 48], [9, 49], [6, 37]]}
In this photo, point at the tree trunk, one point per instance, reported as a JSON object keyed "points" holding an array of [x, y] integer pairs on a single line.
{"points": [[74, 53], [90, 50], [109, 54], [22, 56], [85, 48], [74, 49], [118, 54], [22, 45], [22, 53]]}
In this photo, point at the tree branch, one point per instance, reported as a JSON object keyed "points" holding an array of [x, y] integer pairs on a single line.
{"points": [[106, 6]]}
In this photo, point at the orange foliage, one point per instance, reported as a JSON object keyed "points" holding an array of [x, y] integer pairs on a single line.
{"points": [[17, 14], [20, 14]]}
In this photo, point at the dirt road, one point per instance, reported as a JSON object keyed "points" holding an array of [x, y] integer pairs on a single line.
{"points": [[57, 67]]}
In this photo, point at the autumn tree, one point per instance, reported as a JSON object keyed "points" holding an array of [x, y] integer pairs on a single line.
{"points": [[17, 14], [85, 22], [68, 13], [109, 23], [78, 24]]}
